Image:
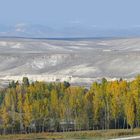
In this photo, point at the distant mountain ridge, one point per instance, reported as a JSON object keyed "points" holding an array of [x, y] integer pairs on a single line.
{"points": [[74, 31]]}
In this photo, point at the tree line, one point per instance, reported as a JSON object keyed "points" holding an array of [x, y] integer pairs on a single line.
{"points": [[39, 106]]}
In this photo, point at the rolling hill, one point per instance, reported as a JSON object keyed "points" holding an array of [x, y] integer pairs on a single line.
{"points": [[79, 61]]}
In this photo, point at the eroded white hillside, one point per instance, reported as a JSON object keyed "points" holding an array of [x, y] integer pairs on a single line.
{"points": [[77, 61]]}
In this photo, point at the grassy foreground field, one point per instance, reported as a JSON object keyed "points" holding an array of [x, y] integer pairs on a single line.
{"points": [[86, 135]]}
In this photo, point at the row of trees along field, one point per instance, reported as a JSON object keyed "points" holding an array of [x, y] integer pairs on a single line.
{"points": [[41, 106]]}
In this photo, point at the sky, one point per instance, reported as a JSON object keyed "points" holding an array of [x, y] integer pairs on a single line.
{"points": [[61, 13]]}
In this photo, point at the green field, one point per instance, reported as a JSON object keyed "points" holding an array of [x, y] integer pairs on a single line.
{"points": [[85, 135]]}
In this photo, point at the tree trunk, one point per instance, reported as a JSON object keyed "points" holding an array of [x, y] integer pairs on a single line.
{"points": [[115, 122], [124, 123], [43, 126], [118, 123]]}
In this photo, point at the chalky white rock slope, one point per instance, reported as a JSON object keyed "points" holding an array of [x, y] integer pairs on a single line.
{"points": [[77, 61]]}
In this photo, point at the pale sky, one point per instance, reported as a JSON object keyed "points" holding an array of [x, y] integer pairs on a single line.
{"points": [[60, 13]]}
